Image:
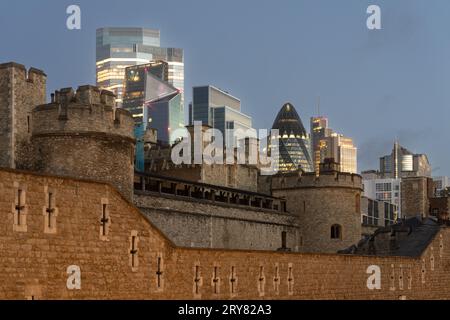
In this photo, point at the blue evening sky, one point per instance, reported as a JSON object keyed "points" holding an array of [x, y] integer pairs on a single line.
{"points": [[375, 86]]}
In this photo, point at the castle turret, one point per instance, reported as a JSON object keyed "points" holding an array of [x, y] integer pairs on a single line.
{"points": [[20, 92], [327, 206], [81, 134]]}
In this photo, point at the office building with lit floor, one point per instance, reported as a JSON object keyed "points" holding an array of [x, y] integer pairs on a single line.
{"points": [[220, 110], [119, 48], [327, 144], [154, 102]]}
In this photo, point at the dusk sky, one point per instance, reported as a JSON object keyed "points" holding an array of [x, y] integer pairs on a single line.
{"points": [[374, 85]]}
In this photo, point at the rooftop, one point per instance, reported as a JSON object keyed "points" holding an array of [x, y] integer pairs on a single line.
{"points": [[408, 238]]}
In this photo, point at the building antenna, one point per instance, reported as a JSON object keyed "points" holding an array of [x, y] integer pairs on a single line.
{"points": [[318, 106]]}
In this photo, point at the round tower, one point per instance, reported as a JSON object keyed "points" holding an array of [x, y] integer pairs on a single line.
{"points": [[80, 134], [328, 207]]}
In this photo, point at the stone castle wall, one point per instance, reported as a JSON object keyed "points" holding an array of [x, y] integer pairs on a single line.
{"points": [[20, 92], [203, 224], [244, 177], [320, 203], [134, 260]]}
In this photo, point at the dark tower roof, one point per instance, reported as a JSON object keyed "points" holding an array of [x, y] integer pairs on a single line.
{"points": [[288, 121]]}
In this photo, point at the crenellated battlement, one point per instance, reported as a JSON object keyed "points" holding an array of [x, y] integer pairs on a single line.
{"points": [[86, 94], [88, 109], [332, 179], [20, 71]]}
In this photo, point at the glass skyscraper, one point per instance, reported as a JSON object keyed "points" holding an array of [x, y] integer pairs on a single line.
{"points": [[137, 83], [119, 48], [218, 109], [152, 100], [163, 114], [294, 143]]}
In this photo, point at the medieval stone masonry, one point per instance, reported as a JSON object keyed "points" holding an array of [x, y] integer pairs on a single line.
{"points": [[77, 222], [20, 92], [136, 261]]}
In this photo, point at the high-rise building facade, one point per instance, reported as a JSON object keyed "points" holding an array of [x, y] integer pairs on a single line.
{"points": [[342, 150], [119, 48], [327, 144], [163, 114], [319, 130], [218, 109], [377, 213], [294, 142], [140, 81], [386, 183], [402, 163], [388, 190], [152, 100], [228, 120]]}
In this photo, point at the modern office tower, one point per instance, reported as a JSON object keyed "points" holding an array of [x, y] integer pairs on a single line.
{"points": [[319, 131], [137, 83], [327, 144], [294, 143], [440, 184], [402, 163], [377, 213], [204, 98], [163, 114], [217, 109], [228, 120], [386, 183], [383, 189], [153, 102], [341, 149], [119, 48]]}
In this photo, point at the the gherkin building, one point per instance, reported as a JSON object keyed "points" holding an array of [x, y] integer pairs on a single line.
{"points": [[294, 143]]}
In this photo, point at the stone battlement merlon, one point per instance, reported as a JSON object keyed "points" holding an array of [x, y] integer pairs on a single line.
{"points": [[85, 94], [123, 117], [107, 98], [31, 75], [88, 94], [310, 180]]}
